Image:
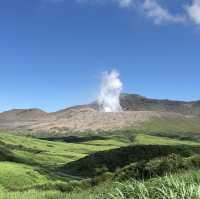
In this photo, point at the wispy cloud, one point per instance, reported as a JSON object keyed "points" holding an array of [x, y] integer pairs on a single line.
{"points": [[154, 10], [159, 14], [193, 11], [151, 8]]}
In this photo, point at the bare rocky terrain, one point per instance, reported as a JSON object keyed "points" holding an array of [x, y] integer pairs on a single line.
{"points": [[137, 109], [133, 102]]}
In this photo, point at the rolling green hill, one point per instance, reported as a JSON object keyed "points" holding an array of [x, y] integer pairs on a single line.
{"points": [[38, 160], [179, 186], [26, 161], [39, 168]]}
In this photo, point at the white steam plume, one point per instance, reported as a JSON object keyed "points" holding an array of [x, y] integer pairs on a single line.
{"points": [[109, 96]]}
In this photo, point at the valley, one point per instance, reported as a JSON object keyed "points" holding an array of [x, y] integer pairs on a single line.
{"points": [[31, 164], [80, 150]]}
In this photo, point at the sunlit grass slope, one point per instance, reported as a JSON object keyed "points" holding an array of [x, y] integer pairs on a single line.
{"points": [[47, 153], [173, 125], [150, 139], [14, 175], [181, 186], [27, 162]]}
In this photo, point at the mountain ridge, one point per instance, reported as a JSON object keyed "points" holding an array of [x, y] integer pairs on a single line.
{"points": [[124, 98], [137, 110], [133, 102]]}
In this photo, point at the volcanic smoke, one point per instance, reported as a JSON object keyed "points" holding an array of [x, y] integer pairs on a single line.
{"points": [[111, 88]]}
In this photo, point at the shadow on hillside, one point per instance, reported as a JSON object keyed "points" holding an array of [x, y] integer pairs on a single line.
{"points": [[110, 161], [6, 155], [73, 139]]}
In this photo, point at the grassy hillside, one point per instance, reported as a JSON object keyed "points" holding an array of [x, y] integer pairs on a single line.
{"points": [[26, 161], [176, 128], [181, 186], [15, 175], [101, 162], [172, 126], [47, 153], [40, 168]]}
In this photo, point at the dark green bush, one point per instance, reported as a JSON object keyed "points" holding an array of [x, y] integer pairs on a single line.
{"points": [[158, 167], [101, 162]]}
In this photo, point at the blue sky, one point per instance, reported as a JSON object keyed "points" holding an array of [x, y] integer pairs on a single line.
{"points": [[52, 52]]}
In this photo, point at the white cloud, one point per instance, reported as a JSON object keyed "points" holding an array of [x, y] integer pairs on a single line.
{"points": [[154, 10], [159, 14], [193, 11], [151, 8]]}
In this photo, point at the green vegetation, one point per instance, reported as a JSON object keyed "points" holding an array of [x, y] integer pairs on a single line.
{"points": [[110, 161], [152, 139], [25, 161], [183, 129], [158, 167], [40, 169], [15, 175], [184, 186], [47, 153]]}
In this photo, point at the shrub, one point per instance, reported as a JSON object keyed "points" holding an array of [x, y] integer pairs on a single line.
{"points": [[101, 162], [158, 167]]}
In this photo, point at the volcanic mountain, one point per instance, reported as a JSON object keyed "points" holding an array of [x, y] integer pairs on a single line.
{"points": [[132, 102], [137, 110]]}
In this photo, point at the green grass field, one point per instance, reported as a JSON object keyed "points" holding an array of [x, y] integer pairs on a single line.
{"points": [[49, 153], [38, 169], [184, 186], [27, 161]]}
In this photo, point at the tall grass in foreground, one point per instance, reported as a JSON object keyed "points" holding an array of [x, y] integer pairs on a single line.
{"points": [[169, 187], [164, 188]]}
